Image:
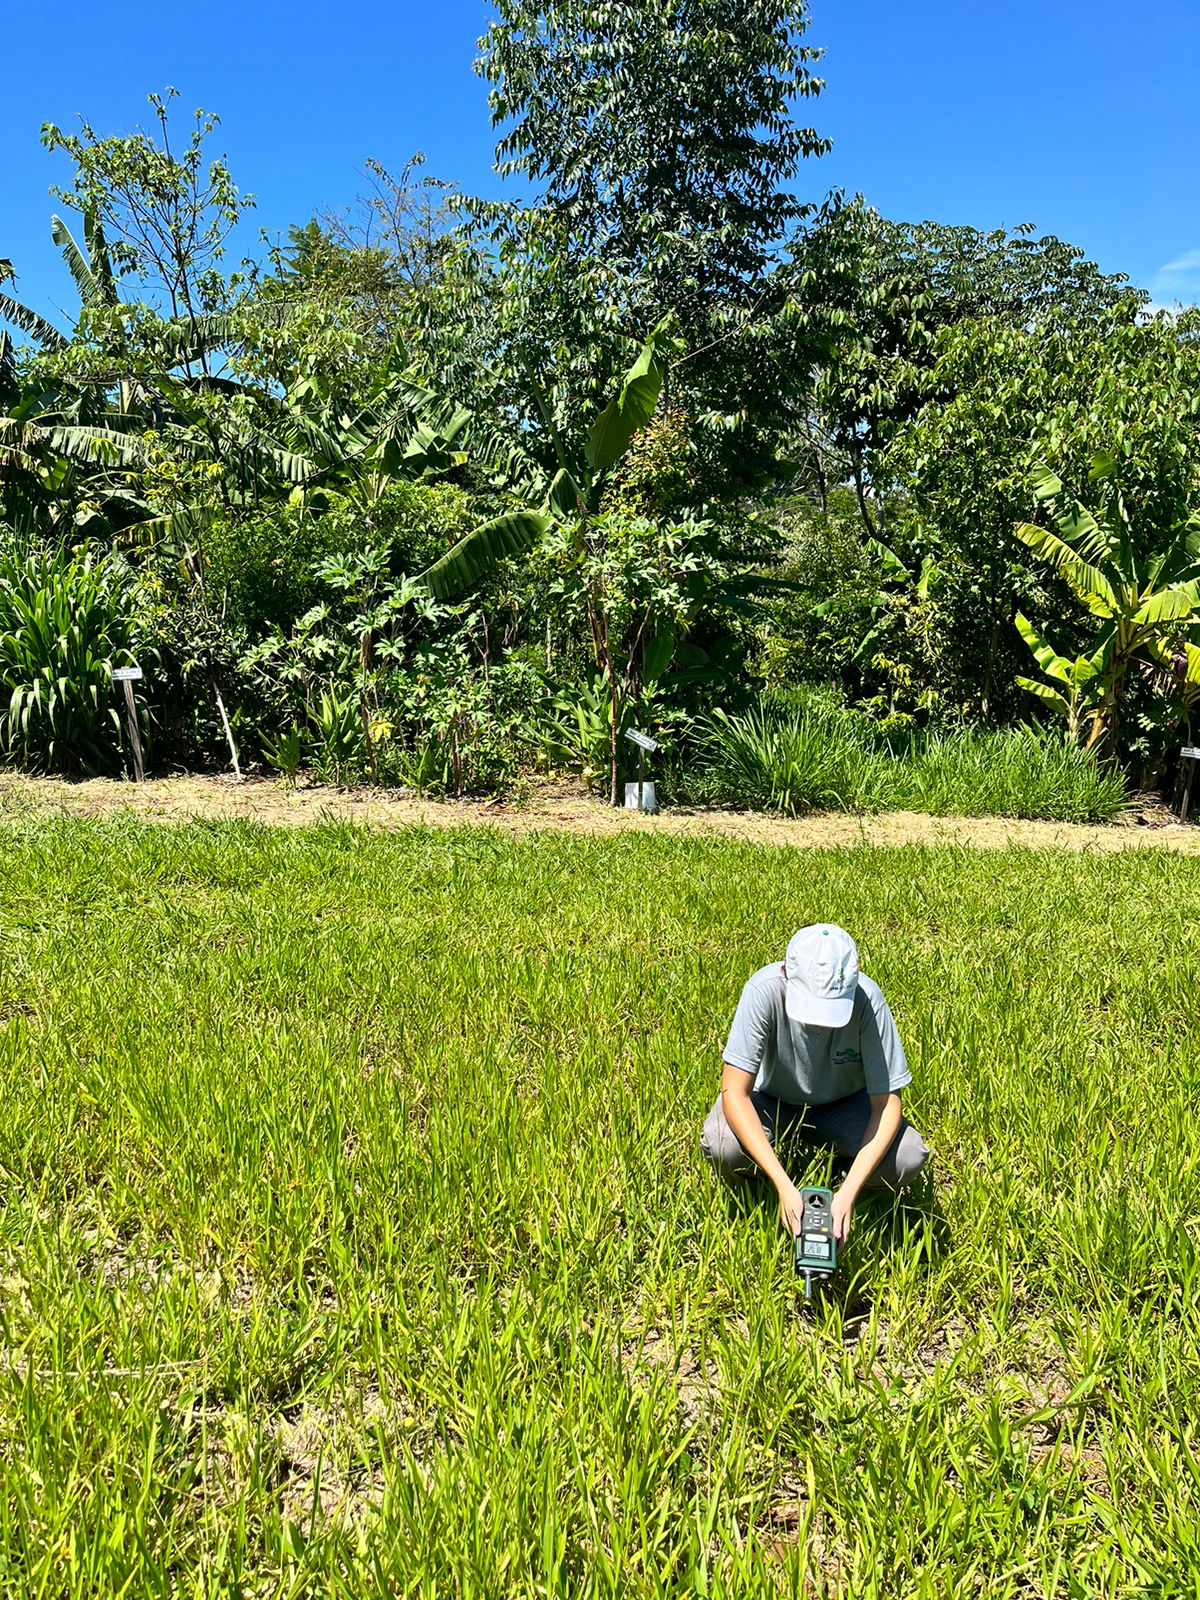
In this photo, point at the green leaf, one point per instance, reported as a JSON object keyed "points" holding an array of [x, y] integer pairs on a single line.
{"points": [[891, 563], [479, 551], [630, 410], [564, 498], [90, 291], [1051, 663], [1076, 524], [1089, 583], [930, 578], [29, 322], [1176, 604], [1046, 486], [178, 527], [1180, 560], [1046, 694], [658, 655]]}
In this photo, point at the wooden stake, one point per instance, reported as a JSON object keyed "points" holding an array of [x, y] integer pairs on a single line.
{"points": [[1191, 754], [135, 738], [127, 677], [233, 749]]}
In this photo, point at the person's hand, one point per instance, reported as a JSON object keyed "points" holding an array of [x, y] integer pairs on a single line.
{"points": [[791, 1208], [843, 1207]]}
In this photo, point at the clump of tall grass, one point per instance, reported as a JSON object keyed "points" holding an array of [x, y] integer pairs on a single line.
{"points": [[65, 621], [1014, 772], [816, 757], [807, 759]]}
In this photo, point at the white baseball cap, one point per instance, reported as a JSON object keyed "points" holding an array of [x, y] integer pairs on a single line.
{"points": [[822, 975]]}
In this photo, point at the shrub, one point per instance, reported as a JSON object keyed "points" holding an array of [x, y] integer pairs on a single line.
{"points": [[262, 567], [65, 622]]}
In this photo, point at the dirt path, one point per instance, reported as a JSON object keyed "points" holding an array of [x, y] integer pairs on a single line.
{"points": [[566, 810]]}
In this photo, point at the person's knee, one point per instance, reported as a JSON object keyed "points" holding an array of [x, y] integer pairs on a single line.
{"points": [[720, 1148], [911, 1155]]}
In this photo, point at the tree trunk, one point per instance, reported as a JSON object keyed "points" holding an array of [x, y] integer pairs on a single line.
{"points": [[873, 531]]}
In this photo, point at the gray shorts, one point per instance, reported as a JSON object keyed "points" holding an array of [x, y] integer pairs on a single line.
{"points": [[840, 1124]]}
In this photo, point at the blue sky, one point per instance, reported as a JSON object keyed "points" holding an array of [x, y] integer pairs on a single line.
{"points": [[1080, 116]]}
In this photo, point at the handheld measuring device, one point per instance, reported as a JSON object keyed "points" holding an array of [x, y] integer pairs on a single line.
{"points": [[816, 1247]]}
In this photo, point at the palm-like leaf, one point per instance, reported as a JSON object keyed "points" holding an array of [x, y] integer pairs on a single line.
{"points": [[91, 293], [628, 411], [1087, 580], [1077, 526], [46, 334], [1052, 664], [1179, 603], [1180, 561], [1047, 694], [176, 529], [478, 551], [97, 248]]}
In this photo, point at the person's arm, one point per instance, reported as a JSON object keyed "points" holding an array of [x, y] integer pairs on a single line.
{"points": [[882, 1127], [744, 1123]]}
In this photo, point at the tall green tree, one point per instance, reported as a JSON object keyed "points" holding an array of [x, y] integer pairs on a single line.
{"points": [[958, 473], [660, 144], [166, 212], [891, 289]]}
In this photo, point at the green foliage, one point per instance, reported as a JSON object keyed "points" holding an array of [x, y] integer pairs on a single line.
{"points": [[513, 534], [456, 724], [286, 753], [884, 292], [64, 625], [810, 760], [165, 217], [266, 566], [659, 145], [263, 566], [1010, 772], [576, 727], [412, 447], [1144, 603], [662, 473], [1006, 399]]}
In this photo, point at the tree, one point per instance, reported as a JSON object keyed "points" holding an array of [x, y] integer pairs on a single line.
{"points": [[1144, 603], [392, 246], [660, 143], [958, 473], [166, 218], [661, 134], [887, 291]]}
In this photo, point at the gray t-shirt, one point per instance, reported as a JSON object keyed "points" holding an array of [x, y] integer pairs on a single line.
{"points": [[811, 1066]]}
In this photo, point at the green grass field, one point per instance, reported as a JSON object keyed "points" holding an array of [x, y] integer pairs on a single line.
{"points": [[354, 1239]]}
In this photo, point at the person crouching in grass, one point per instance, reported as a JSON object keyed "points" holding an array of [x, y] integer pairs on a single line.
{"points": [[814, 1053]]}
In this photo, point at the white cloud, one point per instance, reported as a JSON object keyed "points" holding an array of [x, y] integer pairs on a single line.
{"points": [[1178, 282]]}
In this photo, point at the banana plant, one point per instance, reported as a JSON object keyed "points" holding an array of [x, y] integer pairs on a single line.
{"points": [[1180, 666], [571, 499], [1080, 679], [1142, 606], [573, 494]]}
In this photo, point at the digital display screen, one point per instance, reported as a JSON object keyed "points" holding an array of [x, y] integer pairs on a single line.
{"points": [[816, 1244]]}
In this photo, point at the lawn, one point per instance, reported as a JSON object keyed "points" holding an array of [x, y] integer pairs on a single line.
{"points": [[354, 1238]]}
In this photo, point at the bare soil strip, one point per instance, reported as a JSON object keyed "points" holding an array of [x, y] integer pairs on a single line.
{"points": [[562, 808]]}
